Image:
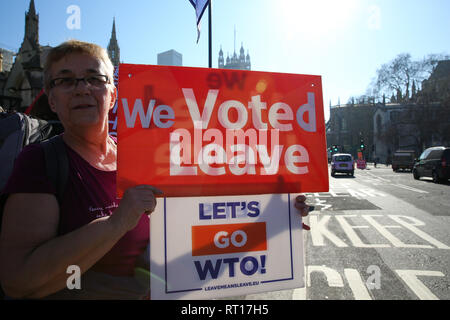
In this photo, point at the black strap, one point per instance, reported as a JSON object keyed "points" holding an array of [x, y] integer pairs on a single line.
{"points": [[57, 164]]}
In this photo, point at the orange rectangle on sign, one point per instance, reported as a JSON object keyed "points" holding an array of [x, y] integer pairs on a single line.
{"points": [[228, 238]]}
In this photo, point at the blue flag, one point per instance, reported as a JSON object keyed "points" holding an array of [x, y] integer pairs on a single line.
{"points": [[199, 6]]}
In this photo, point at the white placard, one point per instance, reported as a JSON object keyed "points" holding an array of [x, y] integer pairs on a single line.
{"points": [[211, 247]]}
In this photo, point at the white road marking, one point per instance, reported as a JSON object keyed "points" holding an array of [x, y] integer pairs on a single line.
{"points": [[356, 241], [420, 233], [359, 288], [334, 279], [319, 230], [393, 239], [357, 285], [396, 184], [299, 294], [410, 278], [378, 177], [409, 188]]}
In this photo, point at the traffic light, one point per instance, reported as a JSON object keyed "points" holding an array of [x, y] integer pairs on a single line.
{"points": [[362, 145]]}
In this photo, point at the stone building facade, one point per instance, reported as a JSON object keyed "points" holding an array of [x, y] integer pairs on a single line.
{"points": [[410, 127], [25, 79], [349, 124], [6, 60], [420, 123]]}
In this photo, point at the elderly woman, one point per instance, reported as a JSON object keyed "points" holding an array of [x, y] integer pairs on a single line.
{"points": [[89, 228]]}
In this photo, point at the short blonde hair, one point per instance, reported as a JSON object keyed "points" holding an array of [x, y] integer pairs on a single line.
{"points": [[75, 46]]}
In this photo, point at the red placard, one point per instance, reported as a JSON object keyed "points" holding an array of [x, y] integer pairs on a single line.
{"points": [[199, 132]]}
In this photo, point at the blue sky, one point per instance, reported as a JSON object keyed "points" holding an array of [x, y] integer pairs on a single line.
{"points": [[344, 41]]}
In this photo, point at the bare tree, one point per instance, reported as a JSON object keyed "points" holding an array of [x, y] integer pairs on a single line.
{"points": [[397, 76], [430, 62]]}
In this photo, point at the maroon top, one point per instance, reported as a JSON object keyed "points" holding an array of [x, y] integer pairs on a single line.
{"points": [[90, 194]]}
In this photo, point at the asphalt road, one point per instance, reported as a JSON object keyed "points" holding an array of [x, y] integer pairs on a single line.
{"points": [[378, 235]]}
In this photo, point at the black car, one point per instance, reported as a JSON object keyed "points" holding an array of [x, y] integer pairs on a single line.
{"points": [[433, 162]]}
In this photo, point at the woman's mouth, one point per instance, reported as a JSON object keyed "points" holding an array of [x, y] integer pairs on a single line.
{"points": [[84, 106]]}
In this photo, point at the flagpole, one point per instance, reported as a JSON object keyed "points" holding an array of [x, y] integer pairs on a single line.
{"points": [[210, 34]]}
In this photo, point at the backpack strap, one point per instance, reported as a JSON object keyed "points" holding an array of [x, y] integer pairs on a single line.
{"points": [[57, 164]]}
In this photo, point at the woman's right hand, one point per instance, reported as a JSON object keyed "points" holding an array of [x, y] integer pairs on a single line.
{"points": [[135, 201]]}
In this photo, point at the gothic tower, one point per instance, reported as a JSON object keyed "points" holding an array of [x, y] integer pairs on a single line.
{"points": [[241, 62], [32, 25], [221, 64], [247, 61], [242, 54], [113, 46]]}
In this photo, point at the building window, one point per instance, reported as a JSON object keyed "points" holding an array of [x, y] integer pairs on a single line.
{"points": [[407, 115], [378, 123], [395, 115], [344, 124]]}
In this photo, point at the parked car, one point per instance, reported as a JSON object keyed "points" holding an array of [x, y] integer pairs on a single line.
{"points": [[403, 159], [342, 163], [433, 162]]}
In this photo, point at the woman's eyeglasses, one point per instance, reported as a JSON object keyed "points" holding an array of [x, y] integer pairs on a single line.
{"points": [[70, 83]]}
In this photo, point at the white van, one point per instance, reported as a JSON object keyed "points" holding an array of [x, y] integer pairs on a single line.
{"points": [[342, 163]]}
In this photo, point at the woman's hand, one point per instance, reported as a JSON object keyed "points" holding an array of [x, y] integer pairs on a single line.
{"points": [[303, 208], [134, 203]]}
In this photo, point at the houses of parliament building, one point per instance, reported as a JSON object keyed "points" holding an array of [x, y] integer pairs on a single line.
{"points": [[241, 62]]}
